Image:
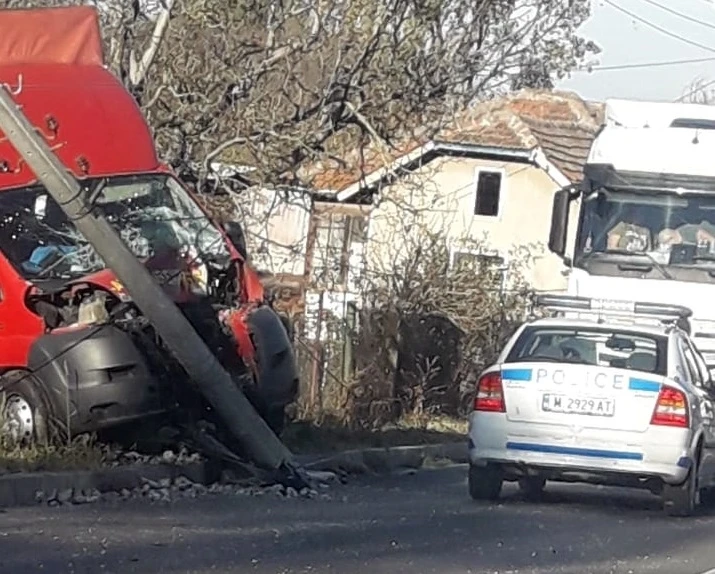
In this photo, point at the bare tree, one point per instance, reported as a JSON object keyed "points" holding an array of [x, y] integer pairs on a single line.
{"points": [[699, 91], [273, 84]]}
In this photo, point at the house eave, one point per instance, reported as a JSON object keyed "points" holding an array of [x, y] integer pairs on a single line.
{"points": [[442, 148], [482, 151]]}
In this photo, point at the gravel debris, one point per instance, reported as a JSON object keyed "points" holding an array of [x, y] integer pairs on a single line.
{"points": [[167, 491], [115, 458]]}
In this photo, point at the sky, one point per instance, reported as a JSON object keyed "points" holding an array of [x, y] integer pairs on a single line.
{"points": [[632, 39]]}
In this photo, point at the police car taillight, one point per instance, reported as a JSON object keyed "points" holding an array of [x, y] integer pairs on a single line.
{"points": [[490, 395], [671, 409]]}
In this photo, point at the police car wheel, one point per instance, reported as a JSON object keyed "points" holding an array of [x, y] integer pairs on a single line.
{"points": [[532, 487], [485, 482], [682, 500]]}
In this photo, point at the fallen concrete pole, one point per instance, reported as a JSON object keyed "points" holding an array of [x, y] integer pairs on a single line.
{"points": [[255, 436]]}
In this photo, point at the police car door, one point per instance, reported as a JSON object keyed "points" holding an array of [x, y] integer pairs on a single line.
{"points": [[700, 377]]}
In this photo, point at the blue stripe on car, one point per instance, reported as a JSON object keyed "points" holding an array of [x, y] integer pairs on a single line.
{"points": [[516, 374], [635, 384], [574, 451]]}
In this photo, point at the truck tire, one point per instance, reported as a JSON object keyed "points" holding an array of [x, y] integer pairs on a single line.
{"points": [[26, 409], [277, 384], [485, 482], [707, 498], [276, 419]]}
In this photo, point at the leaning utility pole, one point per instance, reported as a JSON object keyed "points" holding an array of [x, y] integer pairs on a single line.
{"points": [[247, 426]]}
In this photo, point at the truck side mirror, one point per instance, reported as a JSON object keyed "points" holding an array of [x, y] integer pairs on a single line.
{"points": [[234, 231], [559, 222]]}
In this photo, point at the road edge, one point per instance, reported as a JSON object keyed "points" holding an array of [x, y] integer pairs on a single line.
{"points": [[32, 488], [387, 459]]}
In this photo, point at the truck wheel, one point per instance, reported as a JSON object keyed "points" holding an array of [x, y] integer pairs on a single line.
{"points": [[288, 326], [532, 487], [485, 482], [707, 498], [682, 500], [25, 409], [276, 419]]}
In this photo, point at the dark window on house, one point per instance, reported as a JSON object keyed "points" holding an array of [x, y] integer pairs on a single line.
{"points": [[488, 191]]}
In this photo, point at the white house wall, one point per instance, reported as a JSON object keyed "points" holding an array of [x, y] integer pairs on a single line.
{"points": [[441, 197], [276, 226]]}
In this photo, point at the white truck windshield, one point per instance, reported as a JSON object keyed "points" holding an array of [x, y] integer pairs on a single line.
{"points": [[670, 228]]}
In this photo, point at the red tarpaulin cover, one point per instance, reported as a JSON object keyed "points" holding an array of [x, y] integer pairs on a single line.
{"points": [[68, 35]]}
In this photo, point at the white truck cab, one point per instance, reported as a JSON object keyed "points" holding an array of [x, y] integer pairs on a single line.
{"points": [[646, 212]]}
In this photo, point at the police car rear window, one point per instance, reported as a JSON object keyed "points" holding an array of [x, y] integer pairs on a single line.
{"points": [[596, 346]]}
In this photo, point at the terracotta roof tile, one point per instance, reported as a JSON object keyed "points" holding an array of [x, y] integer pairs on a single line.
{"points": [[337, 175], [560, 123], [495, 127]]}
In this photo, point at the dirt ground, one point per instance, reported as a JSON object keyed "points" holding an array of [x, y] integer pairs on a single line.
{"points": [[310, 438]]}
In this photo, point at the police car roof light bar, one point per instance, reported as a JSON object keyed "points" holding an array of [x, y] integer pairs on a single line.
{"points": [[613, 307]]}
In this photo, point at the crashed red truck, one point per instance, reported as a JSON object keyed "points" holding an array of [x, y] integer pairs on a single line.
{"points": [[74, 349]]}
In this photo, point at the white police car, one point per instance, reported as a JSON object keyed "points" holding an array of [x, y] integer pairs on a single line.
{"points": [[616, 396]]}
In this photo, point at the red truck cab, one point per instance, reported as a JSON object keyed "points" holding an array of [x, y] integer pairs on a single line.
{"points": [[73, 348]]}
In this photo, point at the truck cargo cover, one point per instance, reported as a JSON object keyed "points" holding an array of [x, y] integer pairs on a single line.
{"points": [[67, 35]]}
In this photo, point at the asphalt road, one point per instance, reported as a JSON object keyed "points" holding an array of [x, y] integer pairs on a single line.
{"points": [[420, 523]]}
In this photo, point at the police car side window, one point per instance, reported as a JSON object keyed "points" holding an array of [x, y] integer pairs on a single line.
{"points": [[691, 363], [699, 363]]}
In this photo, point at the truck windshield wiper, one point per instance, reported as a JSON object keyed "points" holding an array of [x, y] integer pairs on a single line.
{"points": [[658, 266], [631, 265], [653, 262]]}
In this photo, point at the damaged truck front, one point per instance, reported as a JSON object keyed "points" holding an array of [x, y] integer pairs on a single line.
{"points": [[76, 354]]}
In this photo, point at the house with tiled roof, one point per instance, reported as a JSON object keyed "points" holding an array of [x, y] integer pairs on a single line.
{"points": [[488, 176]]}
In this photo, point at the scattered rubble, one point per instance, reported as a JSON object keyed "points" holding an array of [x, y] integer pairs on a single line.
{"points": [[167, 490], [115, 458]]}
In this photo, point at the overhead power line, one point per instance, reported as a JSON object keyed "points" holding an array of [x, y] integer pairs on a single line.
{"points": [[660, 28], [680, 14], [616, 67]]}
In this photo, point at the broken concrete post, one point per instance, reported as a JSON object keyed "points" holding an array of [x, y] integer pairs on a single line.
{"points": [[261, 444]]}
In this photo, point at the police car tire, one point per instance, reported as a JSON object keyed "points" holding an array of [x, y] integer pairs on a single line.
{"points": [[681, 500], [532, 487], [485, 482]]}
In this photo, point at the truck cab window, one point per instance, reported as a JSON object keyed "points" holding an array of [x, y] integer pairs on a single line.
{"points": [[672, 229]]}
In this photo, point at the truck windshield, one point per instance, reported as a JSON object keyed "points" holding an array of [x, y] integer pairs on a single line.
{"points": [[663, 229], [153, 214]]}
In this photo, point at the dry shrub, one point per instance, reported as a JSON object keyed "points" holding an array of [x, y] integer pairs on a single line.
{"points": [[427, 329]]}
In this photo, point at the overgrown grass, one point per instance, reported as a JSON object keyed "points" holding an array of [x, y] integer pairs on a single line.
{"points": [[329, 435], [77, 455], [82, 453]]}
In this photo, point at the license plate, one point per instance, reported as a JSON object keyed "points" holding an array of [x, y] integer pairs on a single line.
{"points": [[578, 405]]}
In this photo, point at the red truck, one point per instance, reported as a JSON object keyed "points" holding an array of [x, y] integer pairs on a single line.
{"points": [[76, 355]]}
